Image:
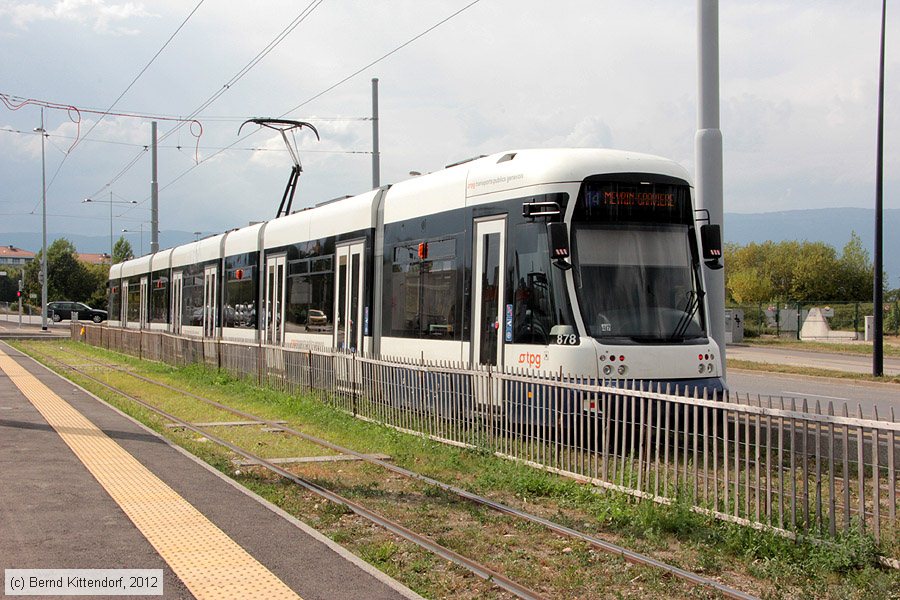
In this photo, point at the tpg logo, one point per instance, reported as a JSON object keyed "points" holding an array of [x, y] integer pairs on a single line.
{"points": [[532, 360]]}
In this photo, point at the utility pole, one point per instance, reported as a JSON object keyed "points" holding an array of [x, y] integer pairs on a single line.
{"points": [[111, 242], [708, 152], [154, 194], [44, 228], [376, 158], [878, 294]]}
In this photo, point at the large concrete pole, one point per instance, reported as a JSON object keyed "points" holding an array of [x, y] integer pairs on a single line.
{"points": [[709, 158], [154, 193], [376, 155]]}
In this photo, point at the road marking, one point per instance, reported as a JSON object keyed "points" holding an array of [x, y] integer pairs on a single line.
{"points": [[210, 563], [786, 393]]}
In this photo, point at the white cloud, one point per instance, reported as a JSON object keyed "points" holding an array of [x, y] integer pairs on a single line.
{"points": [[797, 94], [104, 18]]}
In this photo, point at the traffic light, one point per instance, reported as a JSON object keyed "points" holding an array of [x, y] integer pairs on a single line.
{"points": [[18, 293]]}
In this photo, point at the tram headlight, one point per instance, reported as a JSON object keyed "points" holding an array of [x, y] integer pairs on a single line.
{"points": [[607, 369], [621, 370], [709, 368], [701, 368]]}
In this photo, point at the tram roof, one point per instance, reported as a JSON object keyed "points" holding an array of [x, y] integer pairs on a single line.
{"points": [[469, 182]]}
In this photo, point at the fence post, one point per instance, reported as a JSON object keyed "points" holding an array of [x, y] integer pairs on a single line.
{"points": [[799, 320], [777, 319], [354, 385], [856, 319], [260, 359]]}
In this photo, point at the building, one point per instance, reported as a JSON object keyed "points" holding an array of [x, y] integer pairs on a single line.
{"points": [[94, 259], [16, 257]]}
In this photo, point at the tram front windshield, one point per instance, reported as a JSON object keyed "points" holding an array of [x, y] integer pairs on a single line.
{"points": [[637, 268]]}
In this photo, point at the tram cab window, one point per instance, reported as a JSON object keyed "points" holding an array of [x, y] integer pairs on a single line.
{"points": [[424, 288], [539, 299]]}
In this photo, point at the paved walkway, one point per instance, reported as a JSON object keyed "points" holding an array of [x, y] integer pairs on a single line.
{"points": [[85, 486]]}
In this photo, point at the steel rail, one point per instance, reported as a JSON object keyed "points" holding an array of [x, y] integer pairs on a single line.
{"points": [[476, 568], [603, 545]]}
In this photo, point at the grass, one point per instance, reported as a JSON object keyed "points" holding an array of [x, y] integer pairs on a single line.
{"points": [[891, 345], [750, 365], [760, 562]]}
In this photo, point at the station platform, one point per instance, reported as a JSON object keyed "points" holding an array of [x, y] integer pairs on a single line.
{"points": [[83, 486]]}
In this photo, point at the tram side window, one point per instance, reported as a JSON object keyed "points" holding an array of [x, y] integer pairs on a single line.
{"points": [[239, 302], [310, 295], [424, 287], [192, 298], [134, 299], [114, 300], [159, 297], [539, 288]]}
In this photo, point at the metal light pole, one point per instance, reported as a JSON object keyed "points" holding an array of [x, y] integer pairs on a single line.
{"points": [[142, 236], [44, 228], [878, 295], [111, 202]]}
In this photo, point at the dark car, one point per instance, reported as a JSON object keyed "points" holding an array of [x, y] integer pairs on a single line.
{"points": [[64, 310]]}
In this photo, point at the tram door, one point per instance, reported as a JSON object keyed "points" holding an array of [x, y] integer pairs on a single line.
{"points": [[209, 301], [177, 298], [488, 319], [348, 298], [124, 305], [144, 303], [275, 280]]}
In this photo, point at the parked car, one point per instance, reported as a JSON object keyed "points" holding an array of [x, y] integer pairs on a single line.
{"points": [[63, 310], [315, 319]]}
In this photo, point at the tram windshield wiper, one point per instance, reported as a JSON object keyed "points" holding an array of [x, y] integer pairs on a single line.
{"points": [[693, 305]]}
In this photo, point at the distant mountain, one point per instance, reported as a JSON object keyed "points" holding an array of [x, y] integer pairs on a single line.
{"points": [[96, 243], [830, 225]]}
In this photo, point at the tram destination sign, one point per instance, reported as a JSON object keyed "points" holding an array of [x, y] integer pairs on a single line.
{"points": [[641, 202]]}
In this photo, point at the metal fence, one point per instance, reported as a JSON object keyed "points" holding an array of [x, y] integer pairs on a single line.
{"points": [[795, 468]]}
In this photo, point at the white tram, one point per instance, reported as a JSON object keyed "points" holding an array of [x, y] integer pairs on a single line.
{"points": [[581, 260]]}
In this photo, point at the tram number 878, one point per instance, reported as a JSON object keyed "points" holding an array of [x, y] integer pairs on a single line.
{"points": [[570, 339]]}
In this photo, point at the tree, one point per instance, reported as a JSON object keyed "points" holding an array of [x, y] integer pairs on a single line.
{"points": [[815, 273], [797, 271], [856, 270], [67, 277], [9, 284], [748, 286], [122, 251]]}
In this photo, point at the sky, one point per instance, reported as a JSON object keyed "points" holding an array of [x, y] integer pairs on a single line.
{"points": [[798, 98]]}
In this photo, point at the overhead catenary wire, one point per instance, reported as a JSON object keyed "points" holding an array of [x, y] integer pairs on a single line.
{"points": [[125, 91], [144, 70], [179, 147], [325, 91], [383, 57], [287, 30]]}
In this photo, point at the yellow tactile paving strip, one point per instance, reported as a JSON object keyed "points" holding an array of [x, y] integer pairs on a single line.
{"points": [[209, 563]]}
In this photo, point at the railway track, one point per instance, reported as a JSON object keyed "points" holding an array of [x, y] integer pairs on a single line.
{"points": [[84, 362]]}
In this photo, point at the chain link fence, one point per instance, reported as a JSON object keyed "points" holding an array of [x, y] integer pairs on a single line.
{"points": [[786, 318]]}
